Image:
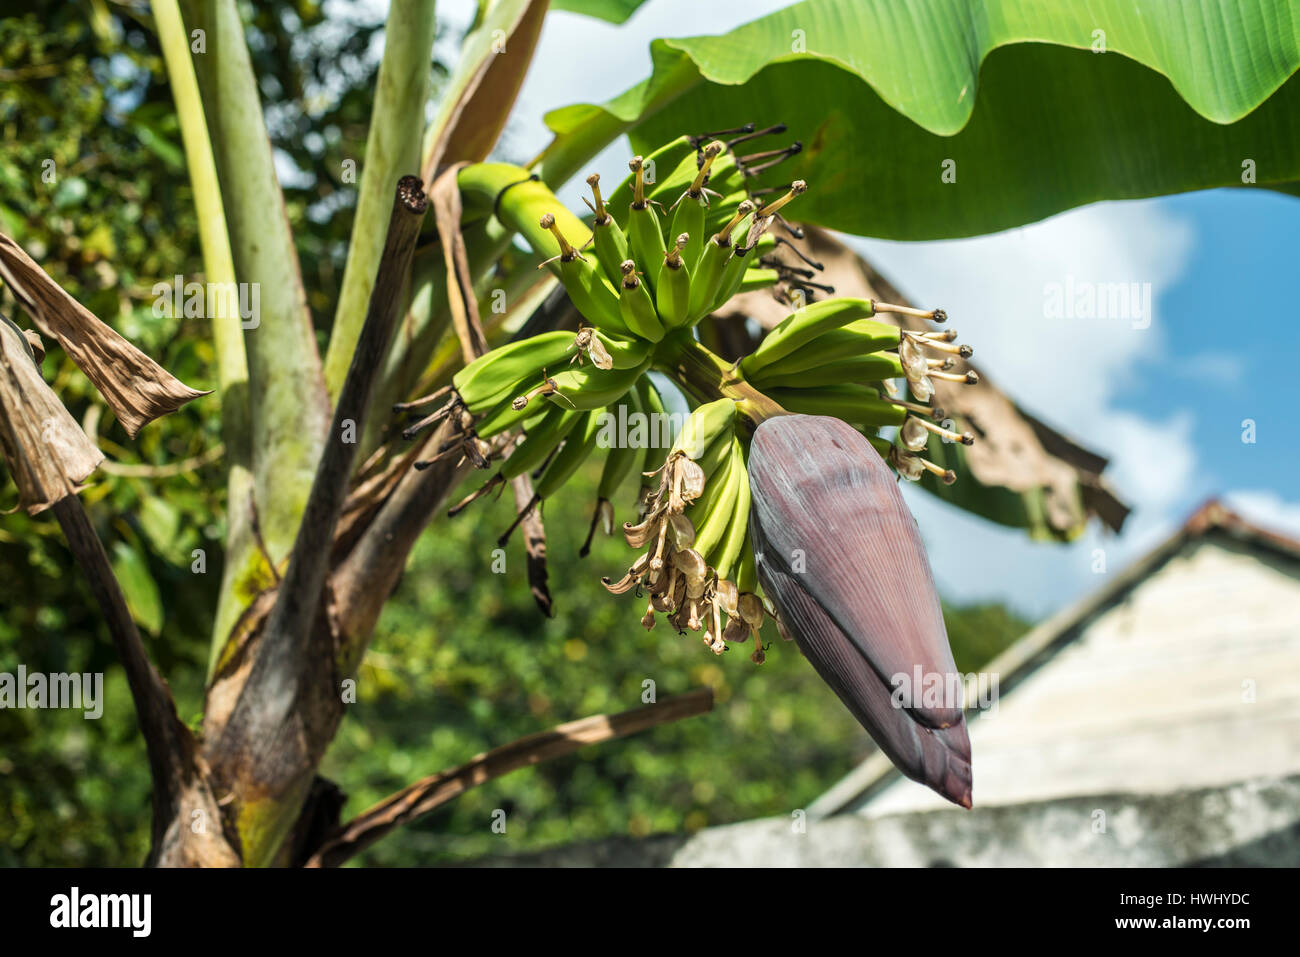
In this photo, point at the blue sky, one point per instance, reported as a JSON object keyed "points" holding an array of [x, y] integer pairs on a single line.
{"points": [[1165, 402]]}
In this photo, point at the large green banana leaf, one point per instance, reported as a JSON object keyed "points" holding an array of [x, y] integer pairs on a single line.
{"points": [[1029, 107]]}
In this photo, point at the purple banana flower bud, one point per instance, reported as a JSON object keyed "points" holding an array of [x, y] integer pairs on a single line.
{"points": [[839, 555]]}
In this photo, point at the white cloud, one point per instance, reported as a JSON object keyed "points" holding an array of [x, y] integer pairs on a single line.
{"points": [[995, 290]]}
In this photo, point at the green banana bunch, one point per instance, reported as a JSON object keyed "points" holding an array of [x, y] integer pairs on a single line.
{"points": [[676, 239], [669, 249]]}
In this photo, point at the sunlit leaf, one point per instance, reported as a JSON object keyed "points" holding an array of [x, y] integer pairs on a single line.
{"points": [[1011, 98]]}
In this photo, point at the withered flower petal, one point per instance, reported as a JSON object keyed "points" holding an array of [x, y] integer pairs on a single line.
{"points": [[691, 564], [840, 557], [683, 532], [631, 579], [46, 451], [727, 597], [137, 388], [639, 535]]}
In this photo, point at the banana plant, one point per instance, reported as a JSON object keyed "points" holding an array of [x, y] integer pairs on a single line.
{"points": [[340, 461]]}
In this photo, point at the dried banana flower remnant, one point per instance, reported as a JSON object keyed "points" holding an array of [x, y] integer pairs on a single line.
{"points": [[137, 388], [840, 557], [46, 452]]}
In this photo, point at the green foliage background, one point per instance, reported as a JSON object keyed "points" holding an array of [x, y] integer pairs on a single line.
{"points": [[462, 661]]}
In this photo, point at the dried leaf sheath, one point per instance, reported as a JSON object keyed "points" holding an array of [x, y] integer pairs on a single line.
{"points": [[137, 388], [46, 451]]}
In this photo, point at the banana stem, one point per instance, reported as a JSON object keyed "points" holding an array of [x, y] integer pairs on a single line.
{"points": [[706, 377], [520, 202]]}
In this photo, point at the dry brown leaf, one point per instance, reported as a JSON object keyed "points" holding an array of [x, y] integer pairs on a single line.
{"points": [[137, 388], [48, 454]]}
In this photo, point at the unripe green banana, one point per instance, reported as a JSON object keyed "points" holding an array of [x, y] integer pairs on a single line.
{"points": [[500, 418], [733, 273], [645, 237], [704, 283], [758, 278], [538, 442], [875, 367], [755, 243], [588, 388], [623, 352], [688, 220], [591, 294], [735, 537], [709, 274], [636, 307], [578, 445], [704, 426], [673, 287], [608, 238], [488, 379], [747, 567], [801, 327], [857, 338], [715, 489], [855, 404], [716, 513]]}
